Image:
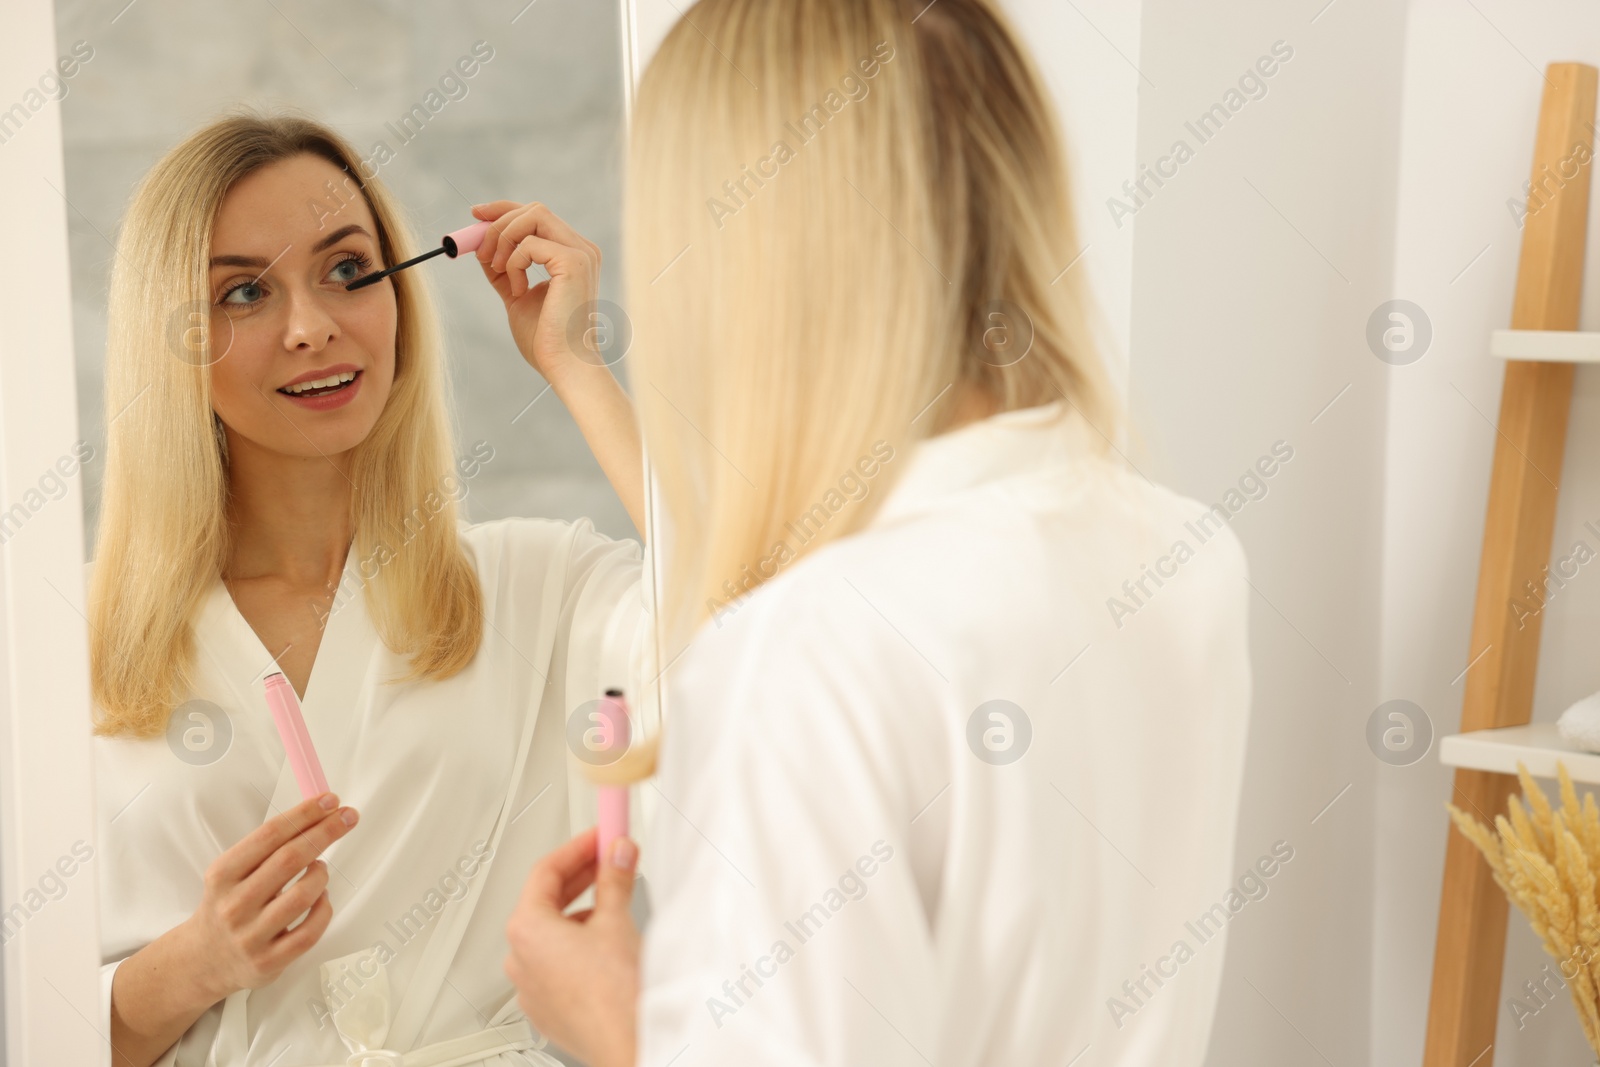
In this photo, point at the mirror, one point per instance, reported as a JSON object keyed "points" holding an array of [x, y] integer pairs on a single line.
{"points": [[448, 106]]}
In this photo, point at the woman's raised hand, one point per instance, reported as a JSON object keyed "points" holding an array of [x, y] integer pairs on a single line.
{"points": [[563, 335], [245, 910], [551, 320]]}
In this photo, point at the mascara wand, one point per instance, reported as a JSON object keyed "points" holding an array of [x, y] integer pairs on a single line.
{"points": [[453, 244]]}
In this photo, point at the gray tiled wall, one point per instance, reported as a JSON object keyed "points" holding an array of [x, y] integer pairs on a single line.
{"points": [[542, 120]]}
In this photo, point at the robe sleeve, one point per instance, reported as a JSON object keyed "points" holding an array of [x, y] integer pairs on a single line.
{"points": [[606, 641], [107, 972], [789, 928]]}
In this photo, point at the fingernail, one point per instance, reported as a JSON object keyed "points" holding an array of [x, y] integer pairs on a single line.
{"points": [[329, 801], [348, 816], [623, 853]]}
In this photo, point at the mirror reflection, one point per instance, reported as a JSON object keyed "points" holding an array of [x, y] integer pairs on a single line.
{"points": [[359, 554]]}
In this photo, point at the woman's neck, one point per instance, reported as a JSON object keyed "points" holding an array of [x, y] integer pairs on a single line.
{"points": [[969, 403], [289, 516]]}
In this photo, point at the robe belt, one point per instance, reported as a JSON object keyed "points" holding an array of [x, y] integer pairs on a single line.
{"points": [[362, 1016], [458, 1051]]}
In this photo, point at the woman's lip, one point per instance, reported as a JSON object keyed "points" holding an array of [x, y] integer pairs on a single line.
{"points": [[326, 372], [327, 402]]}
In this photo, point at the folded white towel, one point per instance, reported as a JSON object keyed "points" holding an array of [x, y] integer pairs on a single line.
{"points": [[1580, 724]]}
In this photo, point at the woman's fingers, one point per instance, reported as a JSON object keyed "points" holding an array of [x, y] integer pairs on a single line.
{"points": [[540, 221], [497, 213], [238, 862], [291, 945], [551, 879], [293, 901], [557, 259], [248, 904], [575, 975], [515, 224], [551, 320], [493, 210], [575, 884], [294, 856]]}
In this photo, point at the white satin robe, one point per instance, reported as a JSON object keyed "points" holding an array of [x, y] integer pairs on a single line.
{"points": [[847, 871], [430, 766]]}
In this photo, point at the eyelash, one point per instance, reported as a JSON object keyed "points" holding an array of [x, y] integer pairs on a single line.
{"points": [[360, 259]]}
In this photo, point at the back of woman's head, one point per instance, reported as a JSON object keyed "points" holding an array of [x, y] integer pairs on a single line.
{"points": [[843, 216]]}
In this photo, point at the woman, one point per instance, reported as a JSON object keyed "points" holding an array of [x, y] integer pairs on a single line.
{"points": [[280, 496], [940, 789]]}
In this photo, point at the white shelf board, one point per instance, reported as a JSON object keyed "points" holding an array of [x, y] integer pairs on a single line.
{"points": [[1538, 746], [1546, 346]]}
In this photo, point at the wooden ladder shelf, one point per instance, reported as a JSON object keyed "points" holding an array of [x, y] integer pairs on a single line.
{"points": [[1541, 349]]}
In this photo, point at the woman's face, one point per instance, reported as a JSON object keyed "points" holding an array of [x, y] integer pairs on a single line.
{"points": [[302, 367]]}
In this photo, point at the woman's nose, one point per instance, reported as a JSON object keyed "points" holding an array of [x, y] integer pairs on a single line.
{"points": [[309, 326]]}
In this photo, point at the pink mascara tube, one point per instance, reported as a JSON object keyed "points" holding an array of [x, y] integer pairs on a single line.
{"points": [[613, 799], [291, 725]]}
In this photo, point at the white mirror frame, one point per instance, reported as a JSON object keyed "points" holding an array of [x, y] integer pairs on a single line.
{"points": [[47, 803], [52, 951]]}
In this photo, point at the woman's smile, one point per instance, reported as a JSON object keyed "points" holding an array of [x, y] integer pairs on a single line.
{"points": [[324, 390]]}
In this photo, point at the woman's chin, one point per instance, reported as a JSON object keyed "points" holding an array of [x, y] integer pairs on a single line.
{"points": [[323, 436], [333, 440]]}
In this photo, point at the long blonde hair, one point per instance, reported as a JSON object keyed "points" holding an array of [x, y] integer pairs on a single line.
{"points": [[825, 201], [163, 536]]}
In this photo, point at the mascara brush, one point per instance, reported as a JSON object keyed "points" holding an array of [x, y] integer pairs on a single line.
{"points": [[453, 244]]}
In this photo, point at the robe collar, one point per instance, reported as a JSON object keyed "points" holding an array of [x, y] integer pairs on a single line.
{"points": [[1001, 453], [331, 705]]}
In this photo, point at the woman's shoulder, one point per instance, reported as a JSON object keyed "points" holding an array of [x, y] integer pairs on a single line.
{"points": [[960, 576], [518, 534], [1104, 516], [1173, 521], [515, 551]]}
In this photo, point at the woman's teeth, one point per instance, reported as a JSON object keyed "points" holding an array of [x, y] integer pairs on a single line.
{"points": [[331, 382]]}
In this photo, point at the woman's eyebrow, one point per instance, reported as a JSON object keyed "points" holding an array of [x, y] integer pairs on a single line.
{"points": [[338, 235], [256, 261], [238, 261]]}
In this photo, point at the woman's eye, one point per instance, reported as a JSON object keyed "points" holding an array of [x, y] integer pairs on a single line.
{"points": [[242, 294], [348, 270]]}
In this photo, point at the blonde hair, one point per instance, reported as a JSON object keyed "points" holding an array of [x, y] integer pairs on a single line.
{"points": [[825, 199], [163, 537]]}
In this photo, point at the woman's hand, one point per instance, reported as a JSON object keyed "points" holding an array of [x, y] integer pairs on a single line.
{"points": [[577, 976], [551, 320], [558, 328], [245, 909], [238, 938]]}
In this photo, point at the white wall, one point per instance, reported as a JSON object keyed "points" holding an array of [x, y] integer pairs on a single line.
{"points": [[1255, 270], [1087, 52], [1472, 92]]}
